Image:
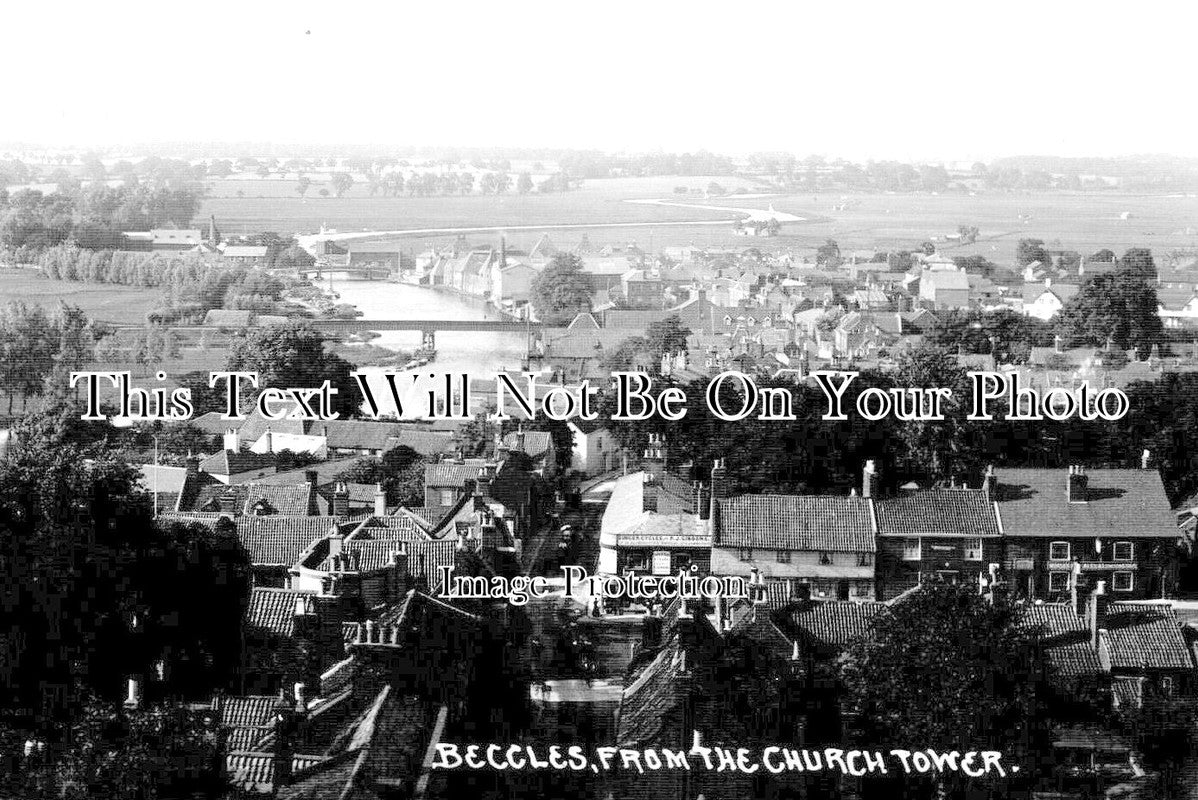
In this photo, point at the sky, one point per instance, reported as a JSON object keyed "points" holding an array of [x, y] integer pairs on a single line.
{"points": [[921, 81]]}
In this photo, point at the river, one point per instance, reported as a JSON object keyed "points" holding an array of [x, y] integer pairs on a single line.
{"points": [[480, 355]]}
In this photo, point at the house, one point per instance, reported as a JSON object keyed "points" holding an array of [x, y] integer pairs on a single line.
{"points": [[944, 288], [234, 465], [1045, 301], [288, 637], [655, 522], [595, 448], [822, 545], [537, 445], [1067, 529], [862, 334], [945, 534], [511, 283], [1178, 308], [175, 239], [643, 288], [246, 255]]}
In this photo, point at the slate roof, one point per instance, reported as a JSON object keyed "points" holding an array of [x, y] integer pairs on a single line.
{"points": [[1124, 503], [943, 512], [274, 609], [1145, 636], [208, 498], [426, 443], [796, 522], [229, 463], [280, 540], [835, 623], [350, 434]]}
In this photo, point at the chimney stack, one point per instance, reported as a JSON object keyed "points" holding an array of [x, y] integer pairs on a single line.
{"points": [[380, 501], [870, 480], [1075, 489], [340, 500], [336, 541], [988, 483], [649, 492], [232, 441], [133, 698], [1145, 459], [702, 500], [1096, 612], [1056, 343]]}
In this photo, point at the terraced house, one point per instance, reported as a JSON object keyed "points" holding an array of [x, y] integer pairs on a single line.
{"points": [[1067, 529]]}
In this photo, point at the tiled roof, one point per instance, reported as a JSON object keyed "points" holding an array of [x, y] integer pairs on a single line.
{"points": [[424, 557], [759, 628], [1065, 637], [274, 609], [451, 473], [280, 540], [536, 443], [240, 711], [1125, 503], [292, 500], [650, 712], [327, 779], [835, 623], [796, 522], [954, 512], [1145, 636], [1127, 691], [249, 738], [426, 443]]}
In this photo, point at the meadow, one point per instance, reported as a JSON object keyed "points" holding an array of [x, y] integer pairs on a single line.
{"points": [[1082, 221], [122, 304]]}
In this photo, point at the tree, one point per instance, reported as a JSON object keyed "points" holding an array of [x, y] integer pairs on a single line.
{"points": [[944, 667], [294, 355], [303, 185], [113, 592], [1138, 260], [1120, 307], [1031, 250], [667, 336], [828, 254], [940, 448], [341, 182], [524, 183], [561, 290], [1104, 256]]}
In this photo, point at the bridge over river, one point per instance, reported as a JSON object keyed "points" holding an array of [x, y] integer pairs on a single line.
{"points": [[428, 327]]}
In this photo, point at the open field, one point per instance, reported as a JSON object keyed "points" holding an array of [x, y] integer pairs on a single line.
{"points": [[1083, 221], [124, 304]]}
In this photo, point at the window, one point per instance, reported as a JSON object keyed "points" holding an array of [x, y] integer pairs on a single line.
{"points": [[1124, 581], [825, 559], [783, 556], [911, 549], [1166, 686], [1058, 551], [1124, 551], [1058, 581], [746, 554], [973, 548], [446, 497], [865, 559]]}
